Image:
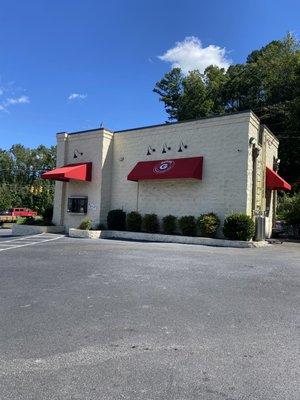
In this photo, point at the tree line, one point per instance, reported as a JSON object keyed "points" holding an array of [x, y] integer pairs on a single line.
{"points": [[20, 177], [267, 83]]}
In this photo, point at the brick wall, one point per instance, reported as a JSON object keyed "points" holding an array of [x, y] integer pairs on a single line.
{"points": [[223, 142], [95, 147], [227, 173]]}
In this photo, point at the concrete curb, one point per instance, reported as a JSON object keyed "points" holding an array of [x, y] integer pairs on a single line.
{"points": [[157, 237], [7, 225], [22, 230]]}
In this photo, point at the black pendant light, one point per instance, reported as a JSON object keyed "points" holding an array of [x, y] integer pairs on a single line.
{"points": [[181, 147], [77, 153], [165, 148], [150, 150]]}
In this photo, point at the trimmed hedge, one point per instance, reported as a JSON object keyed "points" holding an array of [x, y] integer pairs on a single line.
{"points": [[134, 221], [208, 224], [239, 227], [187, 225], [116, 220], [150, 223], [47, 214], [101, 227], [236, 226], [85, 225], [33, 221], [169, 223]]}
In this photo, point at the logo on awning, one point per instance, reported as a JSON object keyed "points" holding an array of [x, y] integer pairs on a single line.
{"points": [[163, 166]]}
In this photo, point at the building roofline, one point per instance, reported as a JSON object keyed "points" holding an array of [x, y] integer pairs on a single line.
{"points": [[188, 120], [164, 124], [85, 131]]}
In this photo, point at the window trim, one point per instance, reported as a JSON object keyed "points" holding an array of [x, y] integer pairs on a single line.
{"points": [[78, 198]]}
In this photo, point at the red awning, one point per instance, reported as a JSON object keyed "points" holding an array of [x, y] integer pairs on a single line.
{"points": [[76, 172], [179, 168], [275, 182]]}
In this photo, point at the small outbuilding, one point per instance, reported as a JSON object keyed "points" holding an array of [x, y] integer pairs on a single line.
{"points": [[220, 164]]}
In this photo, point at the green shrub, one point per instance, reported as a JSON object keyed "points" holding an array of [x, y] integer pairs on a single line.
{"points": [[134, 221], [150, 223], [187, 225], [289, 209], [208, 224], [85, 225], [42, 222], [33, 221], [21, 220], [101, 227], [47, 214], [27, 221], [239, 227], [116, 220], [169, 224]]}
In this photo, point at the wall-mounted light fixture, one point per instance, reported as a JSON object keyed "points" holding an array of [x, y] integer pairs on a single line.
{"points": [[181, 147], [77, 153], [276, 163], [252, 140], [150, 150], [165, 148]]}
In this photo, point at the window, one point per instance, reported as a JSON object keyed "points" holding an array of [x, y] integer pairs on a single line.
{"points": [[77, 205]]}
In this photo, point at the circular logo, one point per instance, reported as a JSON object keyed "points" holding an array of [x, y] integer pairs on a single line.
{"points": [[163, 166]]}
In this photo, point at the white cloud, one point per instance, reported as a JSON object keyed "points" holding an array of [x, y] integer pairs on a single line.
{"points": [[18, 100], [11, 95], [13, 101], [190, 55], [77, 96]]}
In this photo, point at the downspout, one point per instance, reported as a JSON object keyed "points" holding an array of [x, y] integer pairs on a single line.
{"points": [[64, 184], [255, 154], [137, 196]]}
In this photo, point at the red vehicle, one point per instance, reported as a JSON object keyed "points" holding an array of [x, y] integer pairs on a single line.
{"points": [[13, 213], [22, 212]]}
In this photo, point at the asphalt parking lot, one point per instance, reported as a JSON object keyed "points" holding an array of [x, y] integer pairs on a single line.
{"points": [[103, 319]]}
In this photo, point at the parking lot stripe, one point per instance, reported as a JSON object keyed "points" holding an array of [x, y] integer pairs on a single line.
{"points": [[29, 243], [23, 238], [8, 244]]}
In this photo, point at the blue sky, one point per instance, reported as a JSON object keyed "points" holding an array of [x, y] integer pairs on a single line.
{"points": [[72, 65]]}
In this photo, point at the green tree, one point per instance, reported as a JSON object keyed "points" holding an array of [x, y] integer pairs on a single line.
{"points": [[192, 96], [215, 78], [5, 197], [268, 83], [170, 89], [20, 177], [194, 101]]}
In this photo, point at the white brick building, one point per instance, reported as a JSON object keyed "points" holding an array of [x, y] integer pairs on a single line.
{"points": [[233, 170]]}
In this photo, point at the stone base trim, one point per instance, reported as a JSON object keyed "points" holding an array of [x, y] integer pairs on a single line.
{"points": [[158, 237], [22, 230]]}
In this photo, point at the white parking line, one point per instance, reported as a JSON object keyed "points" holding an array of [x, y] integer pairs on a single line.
{"points": [[36, 239], [23, 238]]}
